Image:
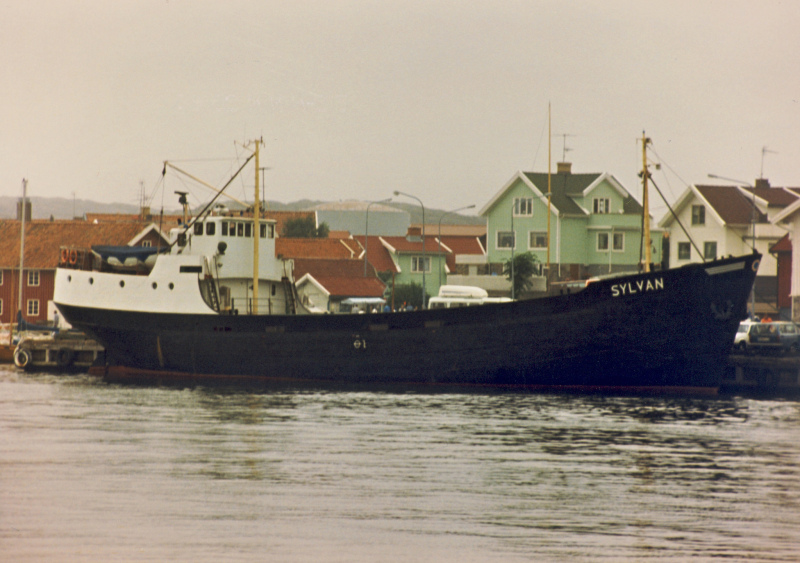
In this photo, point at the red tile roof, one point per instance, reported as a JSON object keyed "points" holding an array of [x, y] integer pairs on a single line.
{"points": [[341, 278], [403, 245], [43, 239], [377, 254], [316, 248]]}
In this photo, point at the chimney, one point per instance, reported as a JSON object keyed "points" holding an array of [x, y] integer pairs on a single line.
{"points": [[27, 210], [762, 183], [564, 168], [414, 234]]}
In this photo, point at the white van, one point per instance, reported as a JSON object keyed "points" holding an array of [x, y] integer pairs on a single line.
{"points": [[451, 296]]}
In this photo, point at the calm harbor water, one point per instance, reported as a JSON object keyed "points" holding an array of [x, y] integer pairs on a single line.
{"points": [[95, 472]]}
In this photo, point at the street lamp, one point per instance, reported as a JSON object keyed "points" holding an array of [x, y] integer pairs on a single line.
{"points": [[440, 234], [752, 222], [366, 231], [423, 241]]}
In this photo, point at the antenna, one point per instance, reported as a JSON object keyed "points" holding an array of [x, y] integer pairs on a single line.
{"points": [[764, 150], [564, 149]]}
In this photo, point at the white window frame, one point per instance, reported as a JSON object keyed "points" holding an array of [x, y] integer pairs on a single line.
{"points": [[621, 247], [1, 306], [415, 262], [1, 277], [601, 206], [537, 234], [33, 278], [32, 308], [523, 207], [706, 246], [698, 215], [513, 236], [688, 248], [601, 236]]}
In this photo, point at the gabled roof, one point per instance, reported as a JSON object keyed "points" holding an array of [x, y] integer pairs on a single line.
{"points": [[460, 246], [340, 277], [732, 206], [565, 187], [315, 248], [774, 197], [43, 239], [402, 245], [377, 254], [783, 245]]}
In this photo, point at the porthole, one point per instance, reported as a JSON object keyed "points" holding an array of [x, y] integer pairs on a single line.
{"points": [[171, 285], [91, 281], [69, 278], [155, 285], [122, 283]]}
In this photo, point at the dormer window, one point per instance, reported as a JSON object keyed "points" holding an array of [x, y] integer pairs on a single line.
{"points": [[601, 205], [523, 207]]}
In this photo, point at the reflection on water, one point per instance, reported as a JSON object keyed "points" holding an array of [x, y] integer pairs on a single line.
{"points": [[92, 472]]}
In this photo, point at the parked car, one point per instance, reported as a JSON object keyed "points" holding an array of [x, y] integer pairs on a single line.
{"points": [[777, 336]]}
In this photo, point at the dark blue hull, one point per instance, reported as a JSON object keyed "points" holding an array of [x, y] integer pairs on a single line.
{"points": [[668, 331]]}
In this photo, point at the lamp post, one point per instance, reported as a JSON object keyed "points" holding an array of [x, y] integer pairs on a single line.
{"points": [[752, 223], [440, 235], [366, 231], [423, 241]]}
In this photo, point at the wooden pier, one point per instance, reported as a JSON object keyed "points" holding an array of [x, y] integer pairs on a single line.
{"points": [[64, 352], [762, 375]]}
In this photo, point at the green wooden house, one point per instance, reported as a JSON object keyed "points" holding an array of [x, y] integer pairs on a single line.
{"points": [[595, 223]]}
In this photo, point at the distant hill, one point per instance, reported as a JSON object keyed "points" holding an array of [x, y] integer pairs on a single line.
{"points": [[65, 208]]}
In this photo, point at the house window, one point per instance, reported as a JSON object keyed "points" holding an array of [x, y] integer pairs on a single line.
{"points": [[602, 242], [619, 242], [698, 215], [537, 240], [420, 263], [505, 239], [684, 251], [523, 206], [710, 250], [1, 306], [33, 278], [33, 307], [1, 277], [147, 244], [602, 205]]}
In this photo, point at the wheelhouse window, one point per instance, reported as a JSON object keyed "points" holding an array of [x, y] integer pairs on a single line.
{"points": [[224, 228], [684, 251], [420, 264], [211, 228], [601, 205], [33, 308], [537, 240], [267, 230], [618, 242], [602, 242], [506, 239], [710, 250], [198, 229], [33, 278], [698, 215], [523, 206]]}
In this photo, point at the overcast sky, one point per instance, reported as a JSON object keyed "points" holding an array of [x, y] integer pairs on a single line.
{"points": [[443, 99]]}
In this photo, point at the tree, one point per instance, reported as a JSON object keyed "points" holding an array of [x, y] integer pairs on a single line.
{"points": [[304, 227], [524, 268], [408, 293]]}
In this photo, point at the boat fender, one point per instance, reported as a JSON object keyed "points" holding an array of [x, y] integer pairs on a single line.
{"points": [[64, 255], [73, 256], [22, 358], [64, 357]]}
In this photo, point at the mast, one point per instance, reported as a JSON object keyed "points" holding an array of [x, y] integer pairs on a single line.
{"points": [[549, 189], [22, 242], [256, 231], [645, 206]]}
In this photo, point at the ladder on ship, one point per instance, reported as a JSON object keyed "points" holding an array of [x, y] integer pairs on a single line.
{"points": [[291, 303]]}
